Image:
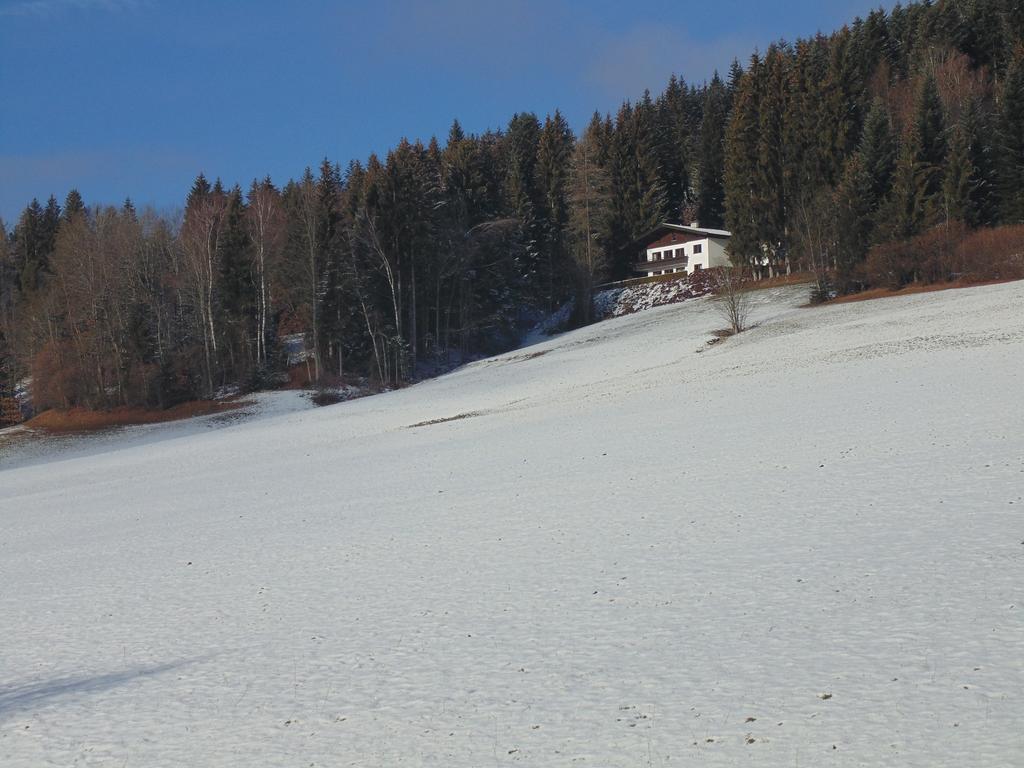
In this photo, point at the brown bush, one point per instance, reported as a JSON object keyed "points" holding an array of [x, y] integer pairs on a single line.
{"points": [[86, 420], [889, 265], [992, 254], [946, 253], [55, 378]]}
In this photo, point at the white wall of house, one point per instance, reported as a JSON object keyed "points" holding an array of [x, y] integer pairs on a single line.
{"points": [[718, 253], [700, 254]]}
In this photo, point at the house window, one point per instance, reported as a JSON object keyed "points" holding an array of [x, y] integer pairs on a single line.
{"points": [[696, 267], [698, 248], [681, 254]]}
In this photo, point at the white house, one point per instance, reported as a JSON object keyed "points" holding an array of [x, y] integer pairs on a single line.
{"points": [[674, 248]]}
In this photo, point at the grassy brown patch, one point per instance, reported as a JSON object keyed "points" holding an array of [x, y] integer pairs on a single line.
{"points": [[885, 293], [85, 420], [528, 356], [467, 415]]}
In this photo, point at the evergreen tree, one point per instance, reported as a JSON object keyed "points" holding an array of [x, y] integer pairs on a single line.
{"points": [[73, 205], [455, 133], [554, 158], [521, 187], [769, 179], [199, 192], [929, 147], [522, 190], [872, 46], [30, 248], [855, 209], [805, 150], [956, 185], [590, 207], [741, 169], [332, 238], [1011, 144], [902, 216], [651, 200], [735, 76], [235, 285], [621, 171], [978, 133], [48, 226], [8, 287], [877, 151], [711, 163], [637, 189], [673, 138], [464, 183], [840, 111]]}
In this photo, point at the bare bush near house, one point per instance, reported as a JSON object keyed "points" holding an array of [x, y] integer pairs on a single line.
{"points": [[731, 294]]}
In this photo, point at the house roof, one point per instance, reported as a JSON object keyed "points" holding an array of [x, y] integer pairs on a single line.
{"points": [[666, 227]]}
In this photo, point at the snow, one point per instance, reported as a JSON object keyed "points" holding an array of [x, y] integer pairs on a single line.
{"points": [[616, 302], [699, 230], [20, 445], [550, 325], [802, 546], [622, 300]]}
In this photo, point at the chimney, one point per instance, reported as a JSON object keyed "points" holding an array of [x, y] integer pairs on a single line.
{"points": [[695, 224]]}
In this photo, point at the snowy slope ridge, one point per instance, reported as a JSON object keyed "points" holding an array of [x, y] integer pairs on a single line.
{"points": [[802, 546], [616, 302], [624, 300]]}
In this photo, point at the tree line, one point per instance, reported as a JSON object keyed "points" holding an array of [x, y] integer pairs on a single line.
{"points": [[858, 155], [903, 122]]}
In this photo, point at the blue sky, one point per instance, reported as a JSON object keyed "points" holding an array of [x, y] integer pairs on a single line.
{"points": [[135, 97]]}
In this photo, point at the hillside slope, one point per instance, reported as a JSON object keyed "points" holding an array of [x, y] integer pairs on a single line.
{"points": [[801, 546]]}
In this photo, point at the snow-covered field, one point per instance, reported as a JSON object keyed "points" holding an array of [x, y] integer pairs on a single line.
{"points": [[20, 445], [803, 546]]}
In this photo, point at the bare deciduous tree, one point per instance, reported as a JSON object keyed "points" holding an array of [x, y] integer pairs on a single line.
{"points": [[589, 199], [266, 229], [200, 236], [814, 235], [731, 294]]}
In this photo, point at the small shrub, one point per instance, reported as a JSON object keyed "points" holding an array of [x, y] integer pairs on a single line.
{"points": [[323, 397], [732, 296]]}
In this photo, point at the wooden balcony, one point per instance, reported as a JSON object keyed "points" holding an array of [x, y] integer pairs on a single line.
{"points": [[660, 265]]}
